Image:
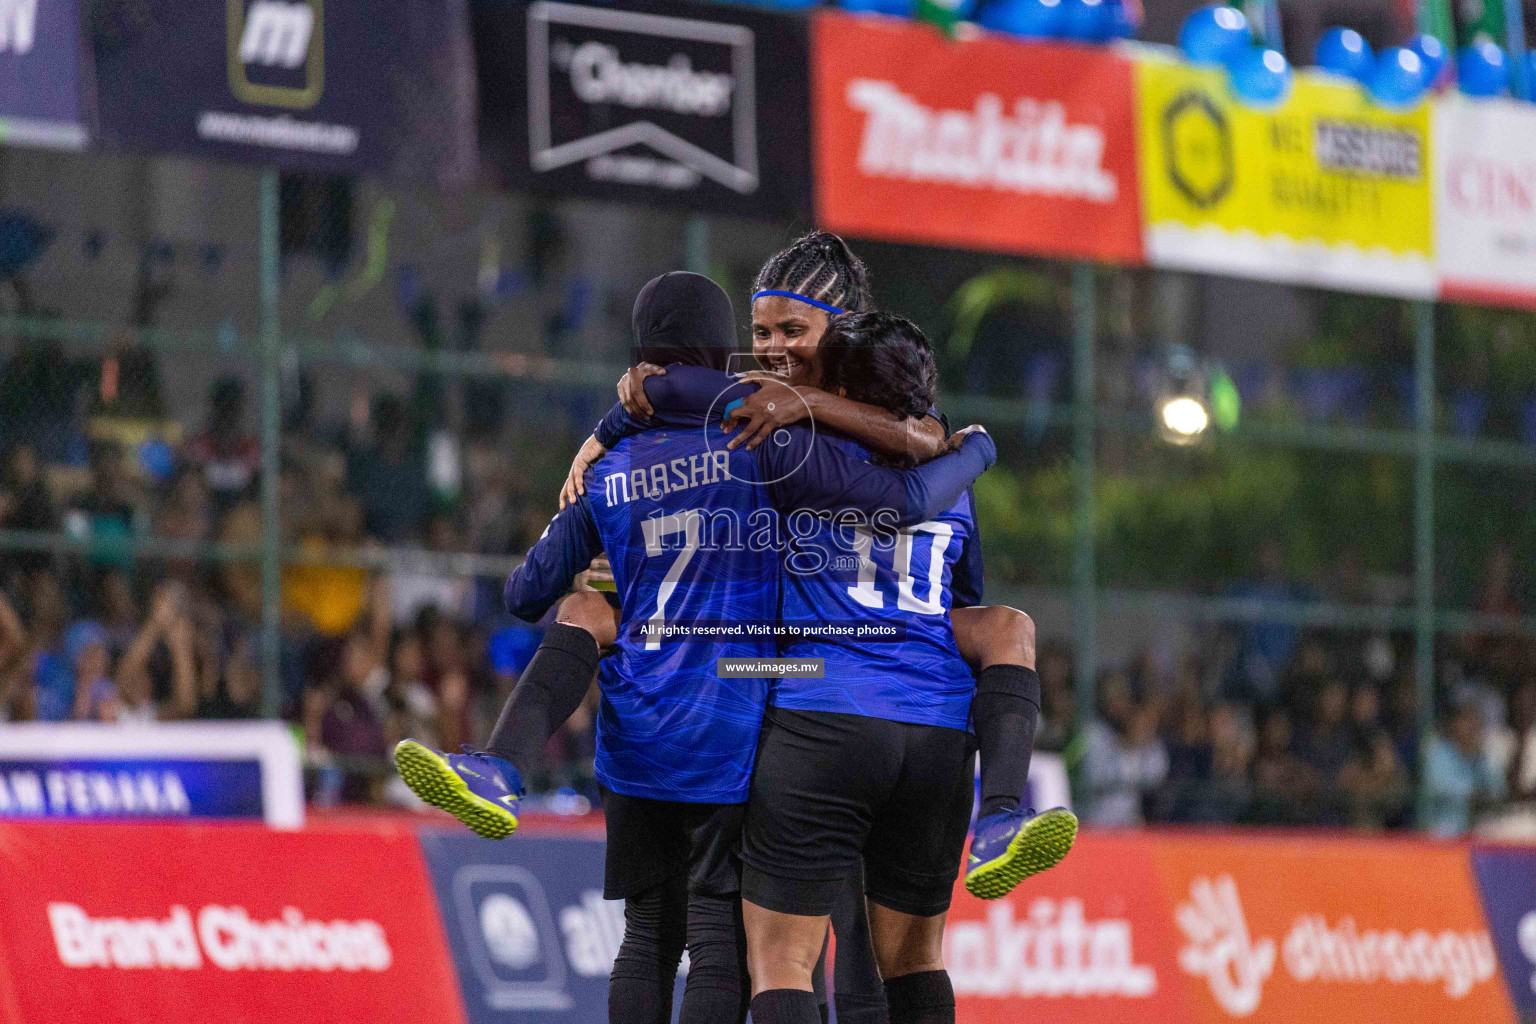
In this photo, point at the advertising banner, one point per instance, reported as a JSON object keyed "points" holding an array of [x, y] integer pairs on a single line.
{"points": [[1369, 931], [91, 771], [1507, 878], [1088, 940], [362, 86], [233, 923], [40, 78], [531, 934], [684, 103], [1328, 189], [1485, 200], [983, 143]]}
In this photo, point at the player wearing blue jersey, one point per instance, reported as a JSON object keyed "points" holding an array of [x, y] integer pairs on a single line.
{"points": [[676, 738], [870, 765], [797, 293]]}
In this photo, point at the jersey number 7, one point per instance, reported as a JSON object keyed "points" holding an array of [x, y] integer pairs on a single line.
{"points": [[690, 525]]}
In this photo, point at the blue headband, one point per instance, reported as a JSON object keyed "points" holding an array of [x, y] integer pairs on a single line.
{"points": [[801, 298]]}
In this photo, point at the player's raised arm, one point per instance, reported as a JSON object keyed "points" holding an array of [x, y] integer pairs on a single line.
{"points": [[918, 438], [568, 546], [819, 475]]}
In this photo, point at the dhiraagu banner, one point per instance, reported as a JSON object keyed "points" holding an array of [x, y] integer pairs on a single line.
{"points": [[1326, 189]]}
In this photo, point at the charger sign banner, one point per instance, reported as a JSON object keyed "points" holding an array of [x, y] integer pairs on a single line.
{"points": [[1485, 200], [1327, 189], [982, 143], [237, 923]]}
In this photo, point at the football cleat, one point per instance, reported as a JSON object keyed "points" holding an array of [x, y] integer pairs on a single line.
{"points": [[1009, 846], [481, 790]]}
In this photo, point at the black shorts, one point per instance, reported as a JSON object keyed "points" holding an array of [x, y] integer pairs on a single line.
{"points": [[650, 840], [832, 790]]}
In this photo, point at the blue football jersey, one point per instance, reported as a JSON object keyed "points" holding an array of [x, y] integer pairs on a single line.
{"points": [[907, 580]]}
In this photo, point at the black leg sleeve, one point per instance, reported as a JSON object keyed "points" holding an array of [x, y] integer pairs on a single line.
{"points": [[550, 689], [1006, 710], [718, 989], [784, 1006], [645, 971], [857, 991], [922, 998]]}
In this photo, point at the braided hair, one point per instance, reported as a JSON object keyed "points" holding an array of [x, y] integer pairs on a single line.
{"points": [[820, 266]]}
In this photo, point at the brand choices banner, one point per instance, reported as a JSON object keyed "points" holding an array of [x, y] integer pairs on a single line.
{"points": [[978, 144], [1507, 878], [365, 85], [107, 923], [1327, 189], [647, 101]]}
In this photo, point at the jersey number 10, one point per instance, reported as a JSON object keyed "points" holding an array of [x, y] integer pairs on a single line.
{"points": [[900, 555]]}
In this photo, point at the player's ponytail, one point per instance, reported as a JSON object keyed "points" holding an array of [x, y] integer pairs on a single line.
{"points": [[818, 266]]}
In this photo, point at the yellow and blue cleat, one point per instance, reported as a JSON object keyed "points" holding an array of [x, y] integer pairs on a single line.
{"points": [[1010, 846], [481, 790]]}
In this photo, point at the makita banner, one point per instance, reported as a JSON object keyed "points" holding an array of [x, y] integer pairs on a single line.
{"points": [[177, 770], [531, 934], [982, 143], [1150, 928], [230, 923], [694, 104], [366, 85], [41, 98]]}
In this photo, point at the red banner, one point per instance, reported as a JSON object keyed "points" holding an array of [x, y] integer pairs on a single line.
{"points": [[1150, 928], [227, 923], [983, 143]]}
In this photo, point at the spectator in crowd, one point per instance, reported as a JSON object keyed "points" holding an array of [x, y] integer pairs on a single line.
{"points": [[1512, 747], [1460, 778], [89, 661], [1265, 647], [1058, 699], [24, 505], [1123, 757], [388, 472], [224, 455], [1328, 740], [349, 714], [51, 668], [1282, 782]]}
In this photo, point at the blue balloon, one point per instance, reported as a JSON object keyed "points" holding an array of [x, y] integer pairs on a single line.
{"points": [[1215, 35], [1432, 52], [1033, 18], [1260, 77], [1086, 20], [1345, 52], [900, 8], [1122, 23], [1481, 70], [1399, 78]]}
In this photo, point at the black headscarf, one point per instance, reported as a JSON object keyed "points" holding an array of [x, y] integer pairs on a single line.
{"points": [[684, 318]]}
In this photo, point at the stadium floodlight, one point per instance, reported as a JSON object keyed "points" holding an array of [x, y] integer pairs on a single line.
{"points": [[1182, 409], [1183, 419]]}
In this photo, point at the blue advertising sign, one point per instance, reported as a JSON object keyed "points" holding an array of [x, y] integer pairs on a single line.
{"points": [[367, 85], [1507, 879], [90, 771], [40, 100], [139, 787], [531, 934]]}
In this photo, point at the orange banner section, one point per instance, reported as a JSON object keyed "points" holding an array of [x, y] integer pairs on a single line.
{"points": [[982, 143], [1152, 928]]}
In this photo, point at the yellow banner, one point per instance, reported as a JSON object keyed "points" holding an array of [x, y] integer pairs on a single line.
{"points": [[1327, 188]]}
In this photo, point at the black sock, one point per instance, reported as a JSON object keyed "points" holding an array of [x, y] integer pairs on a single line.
{"points": [[922, 998], [645, 971], [1006, 710], [857, 992], [550, 689], [785, 1006], [718, 989]]}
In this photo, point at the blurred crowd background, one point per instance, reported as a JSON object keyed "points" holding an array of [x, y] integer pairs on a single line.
{"points": [[444, 355]]}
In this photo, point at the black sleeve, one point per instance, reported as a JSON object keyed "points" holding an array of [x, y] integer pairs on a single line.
{"points": [[569, 544], [684, 396]]}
